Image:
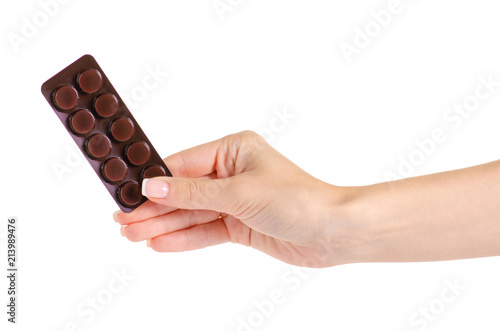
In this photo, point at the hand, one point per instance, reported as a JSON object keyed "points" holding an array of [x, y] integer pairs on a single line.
{"points": [[239, 189]]}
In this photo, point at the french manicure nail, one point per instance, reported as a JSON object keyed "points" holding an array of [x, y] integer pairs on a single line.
{"points": [[122, 230], [148, 242], [115, 215], [154, 188]]}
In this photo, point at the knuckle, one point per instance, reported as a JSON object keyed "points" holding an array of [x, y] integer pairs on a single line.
{"points": [[248, 133], [252, 136], [192, 190], [196, 214], [191, 217], [253, 142]]}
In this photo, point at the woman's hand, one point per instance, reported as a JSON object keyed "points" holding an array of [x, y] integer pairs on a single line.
{"points": [[239, 189]]}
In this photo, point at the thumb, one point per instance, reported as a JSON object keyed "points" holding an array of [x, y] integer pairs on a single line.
{"points": [[193, 193]]}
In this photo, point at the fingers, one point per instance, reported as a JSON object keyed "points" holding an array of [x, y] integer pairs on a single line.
{"points": [[174, 221], [216, 156], [223, 195], [229, 159], [194, 162], [199, 236], [145, 211]]}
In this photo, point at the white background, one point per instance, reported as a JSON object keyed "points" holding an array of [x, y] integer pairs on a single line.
{"points": [[353, 123]]}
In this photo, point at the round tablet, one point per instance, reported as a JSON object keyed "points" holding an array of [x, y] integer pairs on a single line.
{"points": [[130, 193], [153, 171], [82, 121], [138, 152], [90, 80], [106, 105], [98, 145], [66, 97], [122, 129], [114, 169]]}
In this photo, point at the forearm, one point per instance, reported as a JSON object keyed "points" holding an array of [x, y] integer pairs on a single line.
{"points": [[443, 216]]}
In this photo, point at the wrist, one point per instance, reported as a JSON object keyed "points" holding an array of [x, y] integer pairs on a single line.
{"points": [[349, 233]]}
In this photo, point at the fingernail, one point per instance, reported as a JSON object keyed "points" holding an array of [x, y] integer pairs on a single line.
{"points": [[148, 242], [115, 215], [122, 230], [154, 188]]}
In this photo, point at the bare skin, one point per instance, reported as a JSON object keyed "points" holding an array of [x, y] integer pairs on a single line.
{"points": [[239, 189]]}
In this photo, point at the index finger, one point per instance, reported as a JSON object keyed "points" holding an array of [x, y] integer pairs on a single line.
{"points": [[194, 162]]}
